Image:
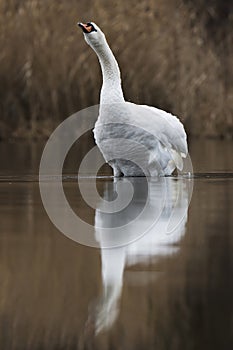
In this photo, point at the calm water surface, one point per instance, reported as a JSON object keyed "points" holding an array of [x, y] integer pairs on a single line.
{"points": [[164, 291]]}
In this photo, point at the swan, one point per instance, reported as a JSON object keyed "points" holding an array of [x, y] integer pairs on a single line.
{"points": [[135, 140]]}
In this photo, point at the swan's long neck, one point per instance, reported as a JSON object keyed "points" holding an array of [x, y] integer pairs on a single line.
{"points": [[111, 91]]}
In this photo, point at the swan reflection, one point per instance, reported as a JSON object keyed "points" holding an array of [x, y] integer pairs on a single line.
{"points": [[166, 201]]}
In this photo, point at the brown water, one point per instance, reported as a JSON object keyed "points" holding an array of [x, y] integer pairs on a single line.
{"points": [[57, 294]]}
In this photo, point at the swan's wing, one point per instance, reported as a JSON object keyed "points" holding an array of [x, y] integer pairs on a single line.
{"points": [[164, 126]]}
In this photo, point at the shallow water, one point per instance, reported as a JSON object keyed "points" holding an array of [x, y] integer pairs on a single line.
{"points": [[167, 290]]}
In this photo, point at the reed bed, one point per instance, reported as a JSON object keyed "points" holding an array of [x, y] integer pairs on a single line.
{"points": [[173, 54]]}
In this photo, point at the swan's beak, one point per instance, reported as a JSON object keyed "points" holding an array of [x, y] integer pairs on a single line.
{"points": [[85, 27]]}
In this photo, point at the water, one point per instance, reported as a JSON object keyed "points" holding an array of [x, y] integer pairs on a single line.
{"points": [[164, 291]]}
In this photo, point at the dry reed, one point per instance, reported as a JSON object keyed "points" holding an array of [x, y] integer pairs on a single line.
{"points": [[173, 54]]}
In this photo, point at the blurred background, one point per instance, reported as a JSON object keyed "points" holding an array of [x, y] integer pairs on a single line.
{"points": [[173, 54]]}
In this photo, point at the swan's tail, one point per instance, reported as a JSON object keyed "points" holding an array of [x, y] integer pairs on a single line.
{"points": [[177, 159]]}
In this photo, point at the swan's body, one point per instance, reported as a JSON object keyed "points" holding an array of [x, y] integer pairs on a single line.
{"points": [[134, 139]]}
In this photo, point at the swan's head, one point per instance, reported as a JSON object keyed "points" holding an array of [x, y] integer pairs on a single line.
{"points": [[92, 34]]}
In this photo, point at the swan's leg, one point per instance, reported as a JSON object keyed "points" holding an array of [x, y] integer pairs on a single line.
{"points": [[116, 170]]}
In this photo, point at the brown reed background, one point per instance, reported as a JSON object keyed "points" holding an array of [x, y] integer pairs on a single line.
{"points": [[173, 54]]}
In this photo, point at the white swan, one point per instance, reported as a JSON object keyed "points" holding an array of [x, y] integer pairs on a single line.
{"points": [[134, 139]]}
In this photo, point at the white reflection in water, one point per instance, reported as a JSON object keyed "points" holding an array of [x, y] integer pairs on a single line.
{"points": [[166, 196]]}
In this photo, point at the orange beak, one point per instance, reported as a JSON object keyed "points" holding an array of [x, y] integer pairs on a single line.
{"points": [[85, 27]]}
